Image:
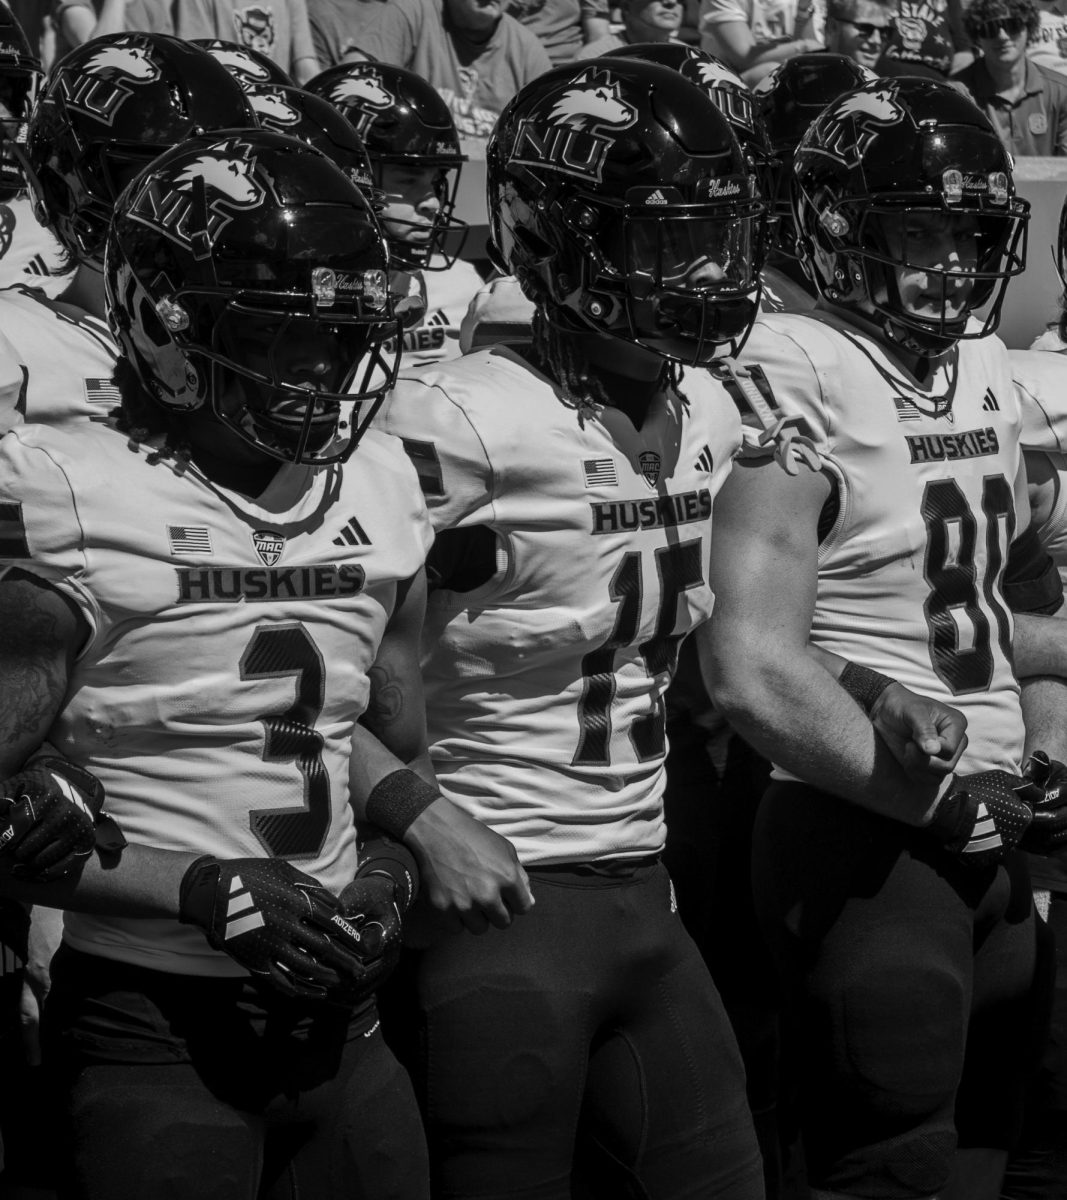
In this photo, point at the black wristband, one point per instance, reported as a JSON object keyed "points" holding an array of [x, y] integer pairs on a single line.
{"points": [[863, 684], [395, 801]]}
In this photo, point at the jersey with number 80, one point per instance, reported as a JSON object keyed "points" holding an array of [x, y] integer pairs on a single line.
{"points": [[545, 685], [229, 649], [931, 492]]}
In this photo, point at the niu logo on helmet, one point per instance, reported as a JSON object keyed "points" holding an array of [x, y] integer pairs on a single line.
{"points": [[229, 186], [103, 85], [564, 138]]}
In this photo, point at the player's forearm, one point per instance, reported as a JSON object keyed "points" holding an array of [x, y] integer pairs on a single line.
{"points": [[142, 882], [1044, 701], [792, 710], [1040, 645]]}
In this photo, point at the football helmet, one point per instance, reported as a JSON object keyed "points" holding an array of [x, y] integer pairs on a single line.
{"points": [[621, 199], [311, 119], [20, 79], [732, 97], [883, 172], [246, 65], [246, 271], [787, 101], [109, 107], [403, 122]]}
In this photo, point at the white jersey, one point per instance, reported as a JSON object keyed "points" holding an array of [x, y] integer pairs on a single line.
{"points": [[67, 358], [931, 493], [544, 686], [229, 648], [446, 295], [1041, 380], [29, 253]]}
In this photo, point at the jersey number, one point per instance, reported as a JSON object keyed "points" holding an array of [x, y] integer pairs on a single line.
{"points": [[950, 571], [679, 568], [276, 652]]}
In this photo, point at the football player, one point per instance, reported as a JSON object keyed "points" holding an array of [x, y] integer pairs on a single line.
{"points": [[885, 876], [787, 101], [109, 108], [414, 149], [237, 665], [26, 249], [571, 483]]}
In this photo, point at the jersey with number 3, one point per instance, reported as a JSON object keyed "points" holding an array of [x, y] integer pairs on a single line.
{"points": [[229, 647], [545, 684], [931, 492]]}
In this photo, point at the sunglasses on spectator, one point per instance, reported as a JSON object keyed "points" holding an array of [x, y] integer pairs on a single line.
{"points": [[865, 29], [1012, 26]]}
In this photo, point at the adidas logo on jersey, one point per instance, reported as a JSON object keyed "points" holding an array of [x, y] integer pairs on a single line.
{"points": [[242, 916], [353, 534], [705, 462], [990, 403]]}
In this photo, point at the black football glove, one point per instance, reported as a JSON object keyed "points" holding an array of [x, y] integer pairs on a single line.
{"points": [[281, 925], [384, 888], [48, 814], [982, 816], [1046, 793]]}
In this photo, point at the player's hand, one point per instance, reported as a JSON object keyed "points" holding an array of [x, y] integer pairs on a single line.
{"points": [[471, 876], [1046, 793], [980, 817], [372, 907], [46, 932], [925, 736], [281, 925], [48, 815]]}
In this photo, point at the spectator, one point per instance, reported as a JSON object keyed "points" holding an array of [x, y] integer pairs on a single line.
{"points": [[76, 21], [859, 29], [563, 26], [1049, 45], [1026, 102], [474, 54], [754, 36], [928, 39], [276, 28], [642, 21], [335, 24]]}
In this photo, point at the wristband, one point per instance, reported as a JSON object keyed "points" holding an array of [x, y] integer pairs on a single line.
{"points": [[863, 685], [395, 801]]}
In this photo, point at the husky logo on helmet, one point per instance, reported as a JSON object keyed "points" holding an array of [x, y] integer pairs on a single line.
{"points": [[196, 206], [240, 64], [563, 139], [273, 109], [849, 141], [730, 96], [364, 92], [101, 86]]}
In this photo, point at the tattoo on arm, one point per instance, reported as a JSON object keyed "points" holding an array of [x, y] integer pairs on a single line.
{"points": [[386, 704], [33, 654]]}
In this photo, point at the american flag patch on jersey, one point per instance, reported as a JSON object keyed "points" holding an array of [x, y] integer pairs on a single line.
{"points": [[189, 539], [12, 531], [102, 391], [906, 409], [600, 472]]}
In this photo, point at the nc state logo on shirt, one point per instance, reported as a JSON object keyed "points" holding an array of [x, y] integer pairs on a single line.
{"points": [[565, 137], [107, 80]]}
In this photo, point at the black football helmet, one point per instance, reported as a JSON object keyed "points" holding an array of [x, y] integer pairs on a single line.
{"points": [[311, 119], [787, 101], [20, 79], [246, 271], [731, 95], [246, 65], [109, 107], [621, 199], [878, 156], [403, 121]]}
